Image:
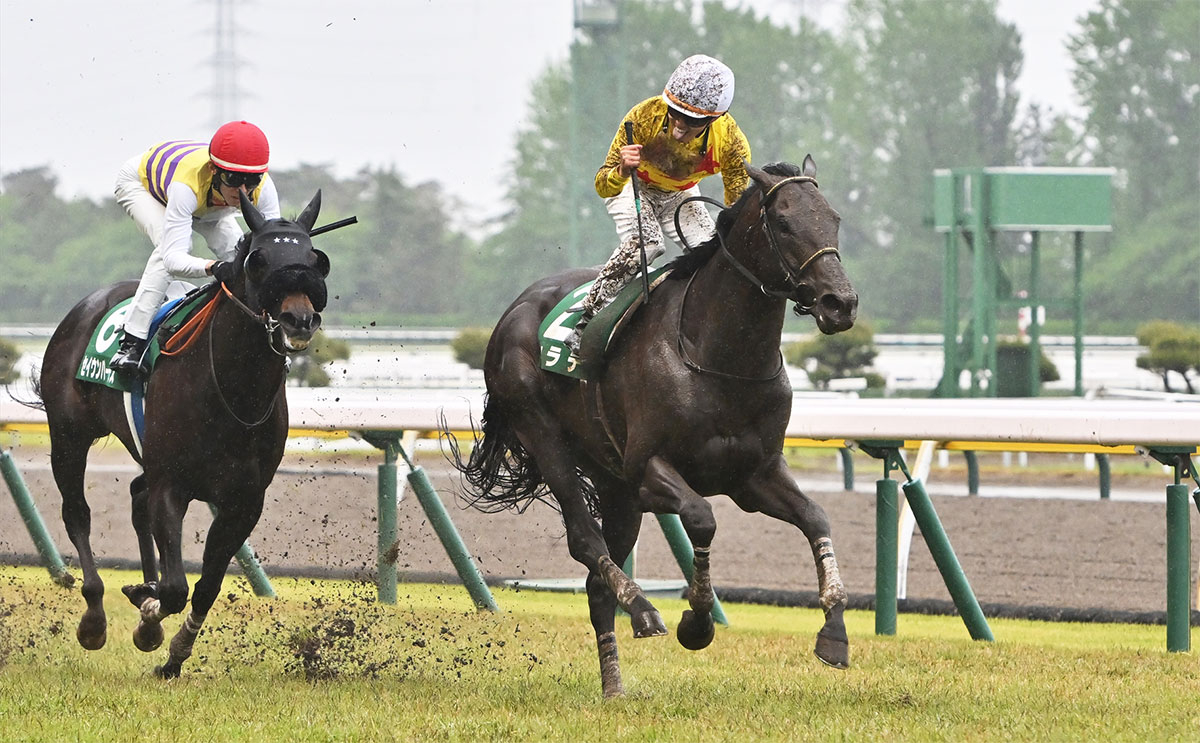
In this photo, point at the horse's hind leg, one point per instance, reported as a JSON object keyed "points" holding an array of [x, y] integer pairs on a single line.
{"points": [[68, 461], [585, 541], [664, 490], [774, 493], [621, 525], [147, 636]]}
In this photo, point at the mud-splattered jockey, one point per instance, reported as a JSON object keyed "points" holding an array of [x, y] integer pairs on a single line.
{"points": [[679, 138]]}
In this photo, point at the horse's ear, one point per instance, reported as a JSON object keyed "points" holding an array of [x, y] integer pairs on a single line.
{"points": [[308, 217], [254, 218], [759, 176], [322, 263], [809, 167]]}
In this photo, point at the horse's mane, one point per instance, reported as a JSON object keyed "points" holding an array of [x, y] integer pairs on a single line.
{"points": [[690, 262]]}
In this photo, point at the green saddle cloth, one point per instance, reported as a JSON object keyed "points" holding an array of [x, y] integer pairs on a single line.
{"points": [[598, 334], [93, 367]]}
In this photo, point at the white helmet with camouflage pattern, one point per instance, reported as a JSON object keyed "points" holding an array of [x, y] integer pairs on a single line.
{"points": [[700, 86]]}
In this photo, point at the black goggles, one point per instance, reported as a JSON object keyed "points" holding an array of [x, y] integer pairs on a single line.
{"points": [[234, 179], [692, 122]]}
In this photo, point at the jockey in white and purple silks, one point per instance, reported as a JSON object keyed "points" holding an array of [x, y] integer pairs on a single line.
{"points": [[179, 186]]}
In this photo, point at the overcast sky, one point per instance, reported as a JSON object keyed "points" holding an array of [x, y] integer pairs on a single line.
{"points": [[436, 88]]}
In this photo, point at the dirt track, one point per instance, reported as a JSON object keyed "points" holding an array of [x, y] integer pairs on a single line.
{"points": [[320, 517]]}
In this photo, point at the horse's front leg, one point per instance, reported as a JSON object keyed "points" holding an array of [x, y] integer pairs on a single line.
{"points": [[775, 493], [230, 529], [664, 490]]}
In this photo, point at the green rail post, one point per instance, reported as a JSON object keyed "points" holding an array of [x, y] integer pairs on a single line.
{"points": [[48, 553], [972, 472], [451, 541], [385, 505], [681, 547], [1105, 476], [1179, 561], [847, 469], [947, 562], [1179, 551], [250, 566], [887, 532]]}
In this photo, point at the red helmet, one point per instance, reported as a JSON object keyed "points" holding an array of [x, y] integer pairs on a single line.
{"points": [[240, 146]]}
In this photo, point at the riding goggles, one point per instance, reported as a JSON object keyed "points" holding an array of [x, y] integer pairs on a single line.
{"points": [[691, 122], [235, 179]]}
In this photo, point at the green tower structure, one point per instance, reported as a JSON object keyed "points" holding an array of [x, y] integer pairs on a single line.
{"points": [[971, 206]]}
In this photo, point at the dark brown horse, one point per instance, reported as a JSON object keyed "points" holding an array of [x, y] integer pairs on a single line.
{"points": [[215, 426], [694, 401]]}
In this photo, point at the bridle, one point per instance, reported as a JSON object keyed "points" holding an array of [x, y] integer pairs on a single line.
{"points": [[263, 318], [793, 274], [272, 328]]}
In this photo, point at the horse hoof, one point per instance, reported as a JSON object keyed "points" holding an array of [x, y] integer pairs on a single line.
{"points": [[148, 636], [695, 632], [648, 624], [138, 594], [833, 647], [832, 651], [167, 671], [92, 631]]}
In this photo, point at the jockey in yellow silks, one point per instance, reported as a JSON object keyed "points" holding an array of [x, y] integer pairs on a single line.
{"points": [[179, 186], [679, 138]]}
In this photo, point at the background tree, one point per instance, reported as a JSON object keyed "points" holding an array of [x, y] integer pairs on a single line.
{"points": [[9, 355], [839, 356], [1138, 76], [308, 368], [1170, 348]]}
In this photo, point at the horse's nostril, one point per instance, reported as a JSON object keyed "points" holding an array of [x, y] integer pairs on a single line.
{"points": [[297, 322]]}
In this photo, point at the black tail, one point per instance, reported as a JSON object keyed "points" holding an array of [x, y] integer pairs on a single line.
{"points": [[501, 473], [35, 379]]}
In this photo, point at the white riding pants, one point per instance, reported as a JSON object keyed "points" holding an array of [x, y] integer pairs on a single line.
{"points": [[221, 234], [658, 219]]}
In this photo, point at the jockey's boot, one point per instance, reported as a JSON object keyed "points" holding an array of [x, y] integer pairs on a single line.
{"points": [[129, 357], [576, 335]]}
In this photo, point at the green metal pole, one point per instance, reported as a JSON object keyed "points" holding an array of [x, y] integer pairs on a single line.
{"points": [[950, 368], [1035, 330], [48, 553], [887, 519], [1105, 476], [972, 472], [947, 562], [681, 547], [982, 291], [847, 468], [1077, 306], [1179, 561], [251, 567], [385, 560], [451, 541]]}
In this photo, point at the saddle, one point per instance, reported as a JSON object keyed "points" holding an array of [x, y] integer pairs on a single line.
{"points": [[170, 318], [599, 335]]}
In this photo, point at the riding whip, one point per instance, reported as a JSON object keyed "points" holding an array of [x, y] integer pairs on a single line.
{"points": [[637, 205]]}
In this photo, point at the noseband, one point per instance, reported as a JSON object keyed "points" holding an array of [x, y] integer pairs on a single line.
{"points": [[793, 275]]}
